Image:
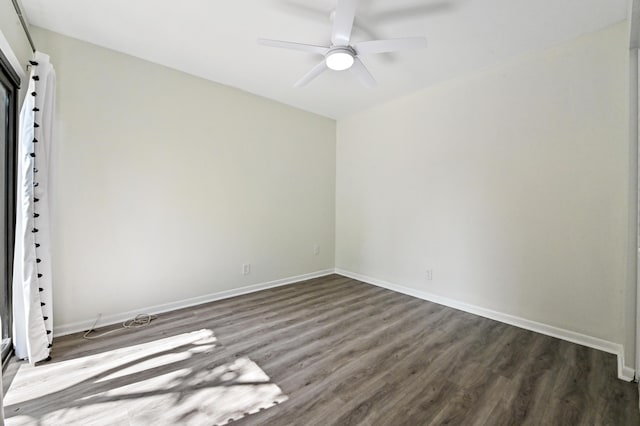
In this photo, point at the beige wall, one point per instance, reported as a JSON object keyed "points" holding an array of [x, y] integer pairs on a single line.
{"points": [[165, 184], [512, 184]]}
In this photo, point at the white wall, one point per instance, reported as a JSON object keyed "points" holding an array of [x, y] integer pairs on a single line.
{"points": [[512, 184], [631, 296], [165, 184]]}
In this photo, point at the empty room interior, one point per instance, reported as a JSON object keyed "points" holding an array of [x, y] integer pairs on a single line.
{"points": [[319, 212]]}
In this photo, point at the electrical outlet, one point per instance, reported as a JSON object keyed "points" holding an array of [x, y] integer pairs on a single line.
{"points": [[429, 274], [316, 249], [246, 268]]}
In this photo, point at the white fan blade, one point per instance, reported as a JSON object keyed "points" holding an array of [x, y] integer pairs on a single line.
{"points": [[362, 73], [394, 14], [343, 22], [305, 10], [295, 7], [315, 71], [391, 45], [294, 46]]}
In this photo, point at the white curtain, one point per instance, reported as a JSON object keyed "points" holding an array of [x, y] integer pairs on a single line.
{"points": [[32, 287]]}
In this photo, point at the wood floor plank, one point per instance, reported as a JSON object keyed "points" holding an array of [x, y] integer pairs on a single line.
{"points": [[328, 351]]}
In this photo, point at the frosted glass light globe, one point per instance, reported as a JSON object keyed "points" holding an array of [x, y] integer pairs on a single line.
{"points": [[339, 60]]}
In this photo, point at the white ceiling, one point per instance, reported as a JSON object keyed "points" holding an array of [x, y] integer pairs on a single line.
{"points": [[216, 39]]}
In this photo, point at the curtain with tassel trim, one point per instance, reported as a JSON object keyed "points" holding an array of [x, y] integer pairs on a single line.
{"points": [[32, 285]]}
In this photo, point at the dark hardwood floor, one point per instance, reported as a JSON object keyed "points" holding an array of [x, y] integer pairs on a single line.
{"points": [[329, 351]]}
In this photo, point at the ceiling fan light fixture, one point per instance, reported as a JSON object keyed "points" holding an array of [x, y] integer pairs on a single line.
{"points": [[341, 53], [339, 59]]}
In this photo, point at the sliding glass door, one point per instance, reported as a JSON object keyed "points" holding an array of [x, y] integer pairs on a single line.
{"points": [[8, 141]]}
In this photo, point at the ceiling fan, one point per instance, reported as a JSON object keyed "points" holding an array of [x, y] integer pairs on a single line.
{"points": [[341, 55]]}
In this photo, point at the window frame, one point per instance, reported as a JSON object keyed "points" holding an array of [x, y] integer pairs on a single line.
{"points": [[11, 81]]}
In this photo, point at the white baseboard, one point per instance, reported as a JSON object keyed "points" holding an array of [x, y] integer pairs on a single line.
{"points": [[624, 373], [166, 307]]}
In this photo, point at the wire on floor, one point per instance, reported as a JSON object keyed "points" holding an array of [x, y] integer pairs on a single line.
{"points": [[139, 321]]}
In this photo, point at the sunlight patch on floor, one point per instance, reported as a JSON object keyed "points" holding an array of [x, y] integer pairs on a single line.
{"points": [[184, 379]]}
